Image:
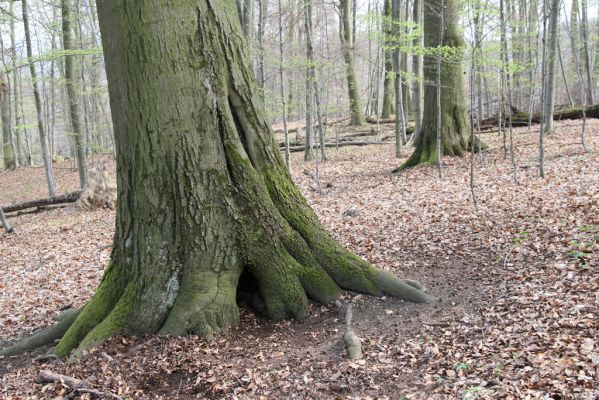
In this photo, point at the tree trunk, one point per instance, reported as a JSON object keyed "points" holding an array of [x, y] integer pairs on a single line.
{"points": [[10, 160], [388, 87], [206, 204], [345, 32], [552, 60], [418, 65], [455, 134], [15, 90], [38, 106], [587, 52], [308, 154], [71, 84]]}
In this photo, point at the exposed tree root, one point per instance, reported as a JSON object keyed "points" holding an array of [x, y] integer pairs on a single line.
{"points": [[43, 337], [352, 341]]}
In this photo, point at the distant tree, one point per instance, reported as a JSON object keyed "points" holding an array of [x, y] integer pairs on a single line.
{"points": [[388, 88], [443, 39], [73, 100], [38, 105]]}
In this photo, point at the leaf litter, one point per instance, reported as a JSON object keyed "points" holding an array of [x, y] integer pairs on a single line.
{"points": [[518, 276]]}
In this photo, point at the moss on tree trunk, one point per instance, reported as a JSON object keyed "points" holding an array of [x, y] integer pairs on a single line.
{"points": [[455, 131], [204, 195]]}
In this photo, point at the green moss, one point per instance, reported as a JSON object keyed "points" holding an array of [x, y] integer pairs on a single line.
{"points": [[106, 296]]}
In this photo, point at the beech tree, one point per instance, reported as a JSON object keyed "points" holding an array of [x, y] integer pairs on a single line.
{"points": [[443, 39], [206, 206]]}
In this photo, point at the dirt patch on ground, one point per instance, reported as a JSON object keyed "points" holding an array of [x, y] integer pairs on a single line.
{"points": [[518, 278]]}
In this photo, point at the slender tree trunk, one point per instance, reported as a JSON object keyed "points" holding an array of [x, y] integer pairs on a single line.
{"points": [[15, 89], [308, 154], [587, 52], [418, 66], [388, 86], [262, 7], [38, 106], [400, 119], [71, 83], [10, 160], [345, 32], [552, 59], [211, 209], [282, 87]]}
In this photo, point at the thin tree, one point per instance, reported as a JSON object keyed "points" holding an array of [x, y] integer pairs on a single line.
{"points": [[282, 85], [552, 59], [347, 42], [418, 70], [587, 52], [388, 87], [73, 101], [38, 105], [309, 141], [400, 120]]}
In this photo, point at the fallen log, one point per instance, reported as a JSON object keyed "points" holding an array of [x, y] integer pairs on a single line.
{"points": [[65, 198], [296, 149], [521, 118]]}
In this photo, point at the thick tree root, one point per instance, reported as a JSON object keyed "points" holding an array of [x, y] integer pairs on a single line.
{"points": [[43, 337], [427, 154]]}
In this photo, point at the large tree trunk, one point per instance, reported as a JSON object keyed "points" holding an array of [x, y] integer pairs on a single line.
{"points": [[74, 109], [347, 42], [455, 134], [204, 195]]}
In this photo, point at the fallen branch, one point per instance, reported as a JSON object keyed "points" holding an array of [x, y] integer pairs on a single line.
{"points": [[296, 149], [65, 198], [78, 385], [352, 341], [46, 376], [44, 336], [521, 118]]}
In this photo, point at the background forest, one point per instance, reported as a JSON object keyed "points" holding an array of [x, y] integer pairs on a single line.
{"points": [[509, 47]]}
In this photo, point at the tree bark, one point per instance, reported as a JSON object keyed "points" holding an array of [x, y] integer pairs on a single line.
{"points": [[38, 105], [345, 32], [10, 159], [587, 52], [552, 60], [455, 134], [388, 87], [418, 70], [71, 83], [206, 204]]}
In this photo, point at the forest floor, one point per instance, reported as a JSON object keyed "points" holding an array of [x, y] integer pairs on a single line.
{"points": [[518, 277]]}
